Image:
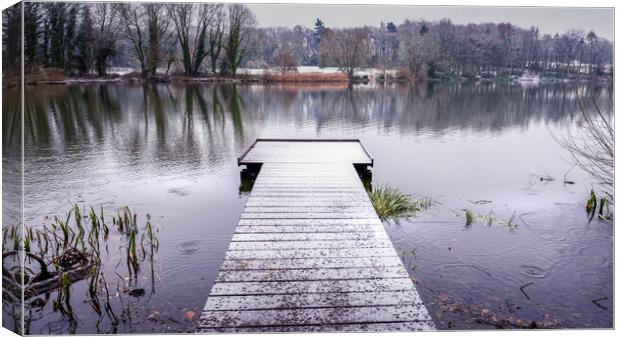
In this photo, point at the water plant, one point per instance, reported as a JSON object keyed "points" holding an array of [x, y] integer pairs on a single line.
{"points": [[390, 203], [598, 207], [69, 251], [469, 217]]}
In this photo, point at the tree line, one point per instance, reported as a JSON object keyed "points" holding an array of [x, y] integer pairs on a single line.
{"points": [[85, 38], [211, 38]]}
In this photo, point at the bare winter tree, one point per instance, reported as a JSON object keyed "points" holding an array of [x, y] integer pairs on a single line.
{"points": [[133, 16], [285, 59], [106, 28], [593, 150], [241, 22], [349, 49], [146, 28], [417, 49], [191, 23], [159, 34], [594, 52]]}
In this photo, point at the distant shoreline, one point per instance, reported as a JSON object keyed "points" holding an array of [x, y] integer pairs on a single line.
{"points": [[292, 77]]}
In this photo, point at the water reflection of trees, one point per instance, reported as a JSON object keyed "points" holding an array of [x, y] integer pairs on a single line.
{"points": [[175, 123], [195, 122]]}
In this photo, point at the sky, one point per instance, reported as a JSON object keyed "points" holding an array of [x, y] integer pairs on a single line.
{"points": [[549, 20]]}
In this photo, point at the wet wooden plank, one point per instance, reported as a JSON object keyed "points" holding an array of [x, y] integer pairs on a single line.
{"points": [[308, 222], [338, 236], [309, 252], [342, 262], [309, 209], [303, 287], [308, 229], [311, 274], [309, 245], [356, 327], [378, 314], [366, 215], [307, 203], [323, 300]]}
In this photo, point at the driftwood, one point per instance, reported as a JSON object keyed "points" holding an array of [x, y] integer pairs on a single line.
{"points": [[45, 281]]}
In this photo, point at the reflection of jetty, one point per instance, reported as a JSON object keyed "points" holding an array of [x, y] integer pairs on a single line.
{"points": [[309, 252]]}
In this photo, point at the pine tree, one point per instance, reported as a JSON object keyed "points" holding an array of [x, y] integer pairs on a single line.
{"points": [[57, 14], [70, 39], [11, 42], [32, 20], [391, 27], [319, 30], [84, 42], [423, 29], [45, 44]]}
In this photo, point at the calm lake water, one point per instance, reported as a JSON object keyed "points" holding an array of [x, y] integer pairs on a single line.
{"points": [[170, 151]]}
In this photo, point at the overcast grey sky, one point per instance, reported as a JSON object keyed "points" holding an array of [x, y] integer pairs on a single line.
{"points": [[547, 19]]}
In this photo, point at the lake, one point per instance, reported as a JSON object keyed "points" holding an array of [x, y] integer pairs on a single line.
{"points": [[170, 151]]}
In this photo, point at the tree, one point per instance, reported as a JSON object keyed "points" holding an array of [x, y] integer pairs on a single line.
{"points": [[183, 18], [391, 27], [285, 60], [319, 30], [146, 28], [159, 33], [349, 49], [11, 38], [216, 34], [240, 24], [105, 33], [418, 49], [70, 38], [423, 29], [32, 22], [56, 15], [568, 48], [84, 42], [594, 51]]}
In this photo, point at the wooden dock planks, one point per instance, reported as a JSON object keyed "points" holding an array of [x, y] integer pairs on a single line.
{"points": [[309, 253]]}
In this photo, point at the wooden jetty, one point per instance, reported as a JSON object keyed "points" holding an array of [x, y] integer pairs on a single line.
{"points": [[309, 253]]}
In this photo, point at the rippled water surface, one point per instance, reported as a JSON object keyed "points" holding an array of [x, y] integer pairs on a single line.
{"points": [[170, 151]]}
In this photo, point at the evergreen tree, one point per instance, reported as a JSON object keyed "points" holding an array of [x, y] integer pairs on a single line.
{"points": [[45, 44], [32, 21], [423, 29], [84, 42], [70, 38], [319, 30], [11, 38], [391, 27], [57, 13]]}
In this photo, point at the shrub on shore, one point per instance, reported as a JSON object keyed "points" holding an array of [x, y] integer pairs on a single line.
{"points": [[304, 77]]}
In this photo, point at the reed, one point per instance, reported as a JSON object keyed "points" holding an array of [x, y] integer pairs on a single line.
{"points": [[72, 244], [390, 203], [469, 217]]}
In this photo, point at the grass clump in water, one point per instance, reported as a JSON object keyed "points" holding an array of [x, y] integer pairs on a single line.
{"points": [[390, 203], [469, 217]]}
